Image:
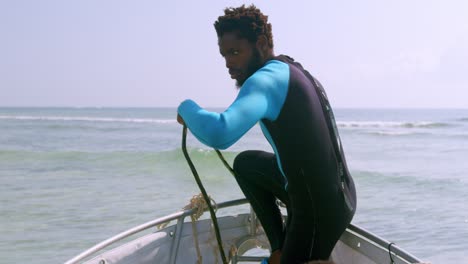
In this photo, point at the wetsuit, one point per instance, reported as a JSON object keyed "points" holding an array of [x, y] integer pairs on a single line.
{"points": [[308, 171]]}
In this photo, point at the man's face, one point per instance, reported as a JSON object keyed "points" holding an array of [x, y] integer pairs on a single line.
{"points": [[242, 57]]}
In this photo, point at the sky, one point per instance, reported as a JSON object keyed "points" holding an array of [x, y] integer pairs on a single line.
{"points": [[152, 53]]}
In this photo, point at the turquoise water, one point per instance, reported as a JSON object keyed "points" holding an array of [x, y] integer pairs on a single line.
{"points": [[72, 177]]}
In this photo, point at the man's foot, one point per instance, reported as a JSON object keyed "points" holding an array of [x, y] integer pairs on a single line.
{"points": [[275, 257]]}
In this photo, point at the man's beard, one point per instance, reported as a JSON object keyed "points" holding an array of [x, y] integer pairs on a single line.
{"points": [[252, 67]]}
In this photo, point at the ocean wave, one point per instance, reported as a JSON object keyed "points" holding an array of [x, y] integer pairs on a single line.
{"points": [[163, 156], [341, 124], [88, 119], [462, 136], [391, 124], [170, 163], [395, 133]]}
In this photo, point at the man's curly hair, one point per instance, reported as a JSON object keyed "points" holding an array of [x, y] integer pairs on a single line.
{"points": [[249, 22]]}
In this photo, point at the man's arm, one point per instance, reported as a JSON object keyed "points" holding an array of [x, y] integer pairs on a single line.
{"points": [[221, 130], [261, 96]]}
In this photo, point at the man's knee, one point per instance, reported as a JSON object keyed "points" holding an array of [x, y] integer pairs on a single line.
{"points": [[242, 162]]}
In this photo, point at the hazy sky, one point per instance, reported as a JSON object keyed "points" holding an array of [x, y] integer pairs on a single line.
{"points": [[367, 53]]}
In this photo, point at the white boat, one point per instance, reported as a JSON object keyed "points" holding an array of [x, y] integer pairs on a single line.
{"points": [[243, 239]]}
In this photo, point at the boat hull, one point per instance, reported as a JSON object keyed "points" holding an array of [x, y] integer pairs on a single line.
{"points": [[243, 240]]}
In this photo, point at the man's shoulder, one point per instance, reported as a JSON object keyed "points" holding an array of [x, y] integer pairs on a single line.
{"points": [[284, 58], [272, 76], [274, 71], [274, 68]]}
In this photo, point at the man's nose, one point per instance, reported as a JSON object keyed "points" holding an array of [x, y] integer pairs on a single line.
{"points": [[229, 62]]}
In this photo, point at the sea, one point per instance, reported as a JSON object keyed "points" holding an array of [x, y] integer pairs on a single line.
{"points": [[73, 177]]}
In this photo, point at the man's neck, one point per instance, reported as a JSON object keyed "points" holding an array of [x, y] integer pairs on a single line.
{"points": [[270, 56]]}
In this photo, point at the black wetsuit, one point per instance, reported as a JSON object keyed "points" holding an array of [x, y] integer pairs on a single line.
{"points": [[320, 194], [308, 171]]}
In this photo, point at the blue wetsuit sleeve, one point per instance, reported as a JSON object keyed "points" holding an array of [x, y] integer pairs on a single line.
{"points": [[221, 130], [258, 98]]}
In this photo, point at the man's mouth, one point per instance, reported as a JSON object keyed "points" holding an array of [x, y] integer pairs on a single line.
{"points": [[235, 74]]}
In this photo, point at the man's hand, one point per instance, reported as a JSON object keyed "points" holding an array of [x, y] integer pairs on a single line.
{"points": [[180, 120]]}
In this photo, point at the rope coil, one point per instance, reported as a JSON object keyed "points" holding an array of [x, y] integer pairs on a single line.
{"points": [[198, 202]]}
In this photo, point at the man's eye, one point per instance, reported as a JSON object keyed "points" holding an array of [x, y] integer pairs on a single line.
{"points": [[235, 52]]}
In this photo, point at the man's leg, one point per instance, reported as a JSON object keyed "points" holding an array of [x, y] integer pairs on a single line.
{"points": [[260, 179], [301, 240], [319, 217]]}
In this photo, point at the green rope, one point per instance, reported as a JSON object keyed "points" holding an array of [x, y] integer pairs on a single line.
{"points": [[205, 195], [228, 167]]}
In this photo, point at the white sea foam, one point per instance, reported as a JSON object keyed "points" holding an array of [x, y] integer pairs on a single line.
{"points": [[390, 124], [341, 124], [394, 133], [88, 119]]}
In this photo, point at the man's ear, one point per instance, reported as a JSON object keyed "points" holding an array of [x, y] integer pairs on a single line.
{"points": [[262, 45]]}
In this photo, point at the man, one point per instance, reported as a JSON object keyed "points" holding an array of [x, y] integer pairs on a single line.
{"points": [[307, 171]]}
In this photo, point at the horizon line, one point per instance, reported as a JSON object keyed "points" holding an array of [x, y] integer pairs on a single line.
{"points": [[218, 107]]}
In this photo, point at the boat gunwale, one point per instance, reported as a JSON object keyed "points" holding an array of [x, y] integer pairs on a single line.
{"points": [[129, 232], [391, 248]]}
